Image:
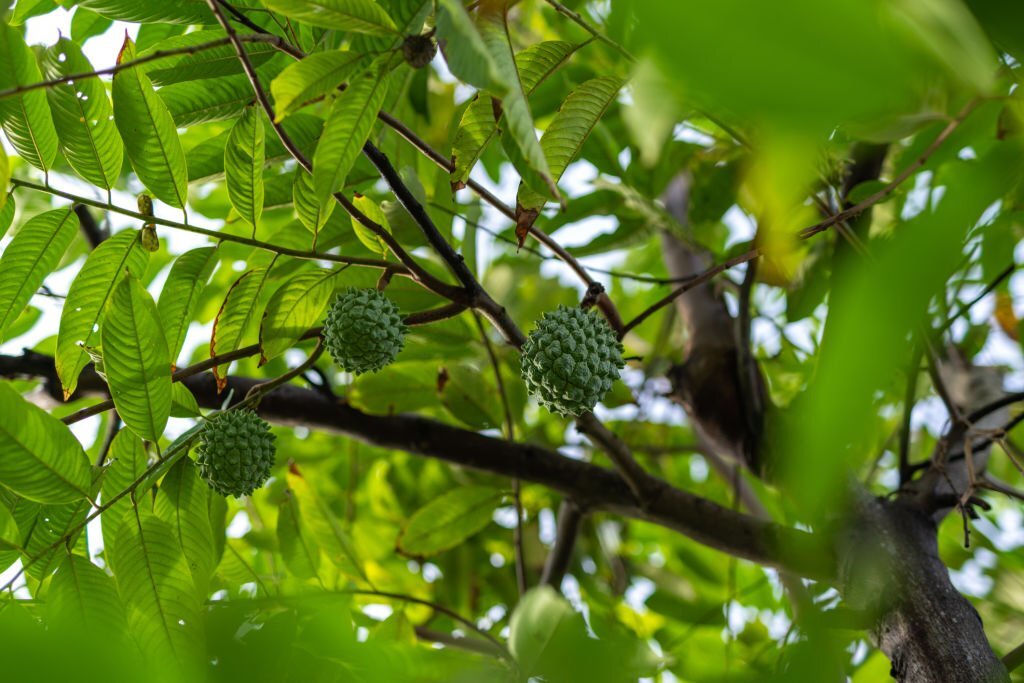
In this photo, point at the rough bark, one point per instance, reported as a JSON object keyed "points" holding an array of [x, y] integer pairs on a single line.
{"points": [[891, 567], [712, 382]]}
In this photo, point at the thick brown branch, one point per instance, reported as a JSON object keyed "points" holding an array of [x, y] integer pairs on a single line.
{"points": [[590, 486]]}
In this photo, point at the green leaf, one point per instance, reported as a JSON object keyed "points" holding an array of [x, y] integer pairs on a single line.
{"points": [[10, 538], [128, 460], [26, 9], [151, 11], [154, 581], [534, 626], [210, 64], [347, 129], [33, 253], [293, 309], [183, 402], [324, 525], [479, 125], [81, 112], [40, 459], [82, 596], [405, 387], [137, 364], [184, 502], [180, 295], [515, 107], [360, 16], [5, 193], [313, 77], [465, 50], [312, 211], [369, 238], [25, 118], [299, 549], [217, 99], [470, 398], [570, 128], [243, 165], [87, 299], [48, 531], [7, 215], [237, 316], [86, 24], [149, 133], [448, 520]]}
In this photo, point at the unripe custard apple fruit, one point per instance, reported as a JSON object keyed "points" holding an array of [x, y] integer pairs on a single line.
{"points": [[236, 452], [570, 360], [363, 331]]}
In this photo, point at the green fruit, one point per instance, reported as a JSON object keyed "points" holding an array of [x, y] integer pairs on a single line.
{"points": [[363, 331], [236, 452], [571, 360]]}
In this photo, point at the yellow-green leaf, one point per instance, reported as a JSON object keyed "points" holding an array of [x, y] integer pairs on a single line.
{"points": [[243, 166], [26, 117], [570, 128], [515, 107], [180, 295], [479, 122], [369, 238], [312, 211], [83, 596], [347, 129], [40, 459], [184, 502], [149, 134], [314, 76], [33, 253], [360, 16], [128, 461], [81, 112], [325, 525], [298, 547], [135, 356], [154, 580], [293, 309], [448, 520], [87, 298], [237, 316]]}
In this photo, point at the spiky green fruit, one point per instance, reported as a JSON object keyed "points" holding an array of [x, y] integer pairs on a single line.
{"points": [[571, 360], [363, 331], [236, 452]]}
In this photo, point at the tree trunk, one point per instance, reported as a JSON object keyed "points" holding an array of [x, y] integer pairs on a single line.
{"points": [[890, 566]]}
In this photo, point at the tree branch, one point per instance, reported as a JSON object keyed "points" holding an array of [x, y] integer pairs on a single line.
{"points": [[557, 564], [590, 486]]}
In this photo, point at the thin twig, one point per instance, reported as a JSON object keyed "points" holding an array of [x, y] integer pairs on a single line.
{"points": [[905, 471], [153, 56], [808, 232], [412, 320], [964, 309], [213, 234], [517, 531], [569, 518], [912, 168], [582, 23], [421, 275]]}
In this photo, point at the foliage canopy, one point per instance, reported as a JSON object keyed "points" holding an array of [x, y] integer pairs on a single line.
{"points": [[188, 186]]}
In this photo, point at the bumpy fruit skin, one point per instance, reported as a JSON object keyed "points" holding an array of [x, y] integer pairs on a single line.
{"points": [[236, 452], [363, 331], [571, 360]]}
